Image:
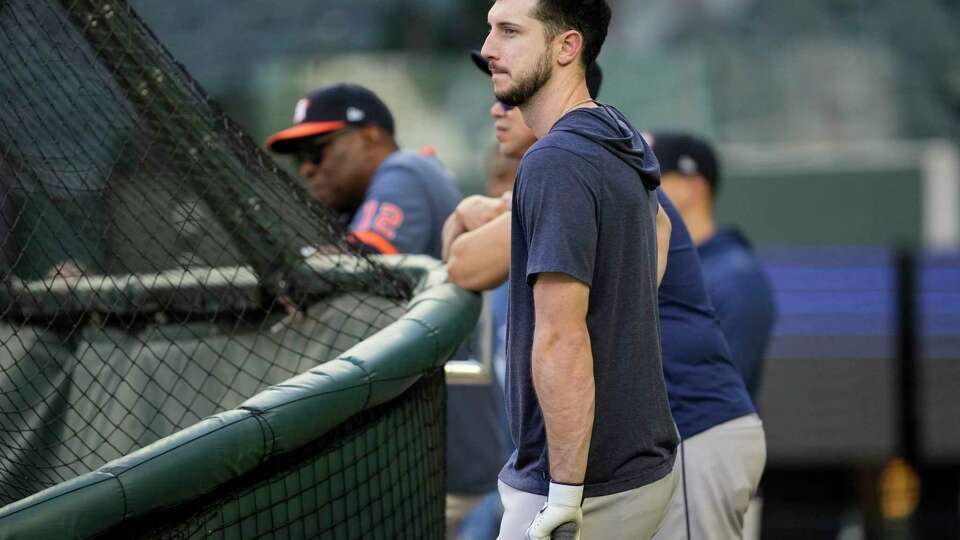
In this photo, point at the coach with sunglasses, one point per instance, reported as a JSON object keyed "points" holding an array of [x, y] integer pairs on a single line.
{"points": [[343, 141], [397, 202]]}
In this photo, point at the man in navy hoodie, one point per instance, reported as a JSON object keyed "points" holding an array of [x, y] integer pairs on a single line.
{"points": [[707, 396], [586, 400]]}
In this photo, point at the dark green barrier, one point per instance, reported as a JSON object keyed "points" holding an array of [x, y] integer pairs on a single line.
{"points": [[381, 474], [226, 453]]}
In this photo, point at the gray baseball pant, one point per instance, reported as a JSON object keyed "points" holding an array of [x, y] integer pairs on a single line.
{"points": [[721, 471], [633, 514]]}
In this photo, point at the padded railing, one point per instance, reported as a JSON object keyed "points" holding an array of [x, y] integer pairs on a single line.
{"points": [[184, 467]]}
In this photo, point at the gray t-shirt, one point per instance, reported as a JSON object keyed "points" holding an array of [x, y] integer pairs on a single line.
{"points": [[409, 199], [584, 206]]}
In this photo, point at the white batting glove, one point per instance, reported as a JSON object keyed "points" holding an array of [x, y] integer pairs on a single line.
{"points": [[561, 515]]}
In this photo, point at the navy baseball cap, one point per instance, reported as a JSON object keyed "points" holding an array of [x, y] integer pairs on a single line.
{"points": [[594, 73], [329, 109], [687, 155]]}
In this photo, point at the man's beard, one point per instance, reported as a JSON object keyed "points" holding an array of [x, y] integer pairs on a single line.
{"points": [[526, 88]]}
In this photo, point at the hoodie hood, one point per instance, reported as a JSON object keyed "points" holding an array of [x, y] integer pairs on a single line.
{"points": [[608, 127]]}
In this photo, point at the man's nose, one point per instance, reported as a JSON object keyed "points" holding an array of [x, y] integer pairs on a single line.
{"points": [[488, 51], [308, 170]]}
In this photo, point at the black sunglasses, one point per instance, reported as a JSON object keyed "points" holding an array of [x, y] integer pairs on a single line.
{"points": [[507, 108], [312, 151]]}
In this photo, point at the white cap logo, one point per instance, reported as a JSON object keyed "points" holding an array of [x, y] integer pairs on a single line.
{"points": [[300, 112], [688, 165], [355, 115]]}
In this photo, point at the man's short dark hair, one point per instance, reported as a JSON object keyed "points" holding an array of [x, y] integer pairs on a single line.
{"points": [[589, 17]]}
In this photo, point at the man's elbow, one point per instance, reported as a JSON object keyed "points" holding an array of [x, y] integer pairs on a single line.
{"points": [[476, 281], [457, 274], [462, 274], [467, 269], [561, 340], [561, 355]]}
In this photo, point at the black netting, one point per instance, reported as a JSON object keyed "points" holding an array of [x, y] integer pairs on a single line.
{"points": [[378, 476], [155, 266]]}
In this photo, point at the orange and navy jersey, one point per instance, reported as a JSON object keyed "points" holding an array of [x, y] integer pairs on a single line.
{"points": [[408, 201]]}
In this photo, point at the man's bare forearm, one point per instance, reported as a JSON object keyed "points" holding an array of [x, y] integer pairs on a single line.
{"points": [[452, 229], [562, 364], [471, 214], [480, 259], [664, 230], [562, 369]]}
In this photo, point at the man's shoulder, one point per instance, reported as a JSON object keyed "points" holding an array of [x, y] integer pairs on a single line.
{"points": [[732, 266], [729, 259], [560, 150], [407, 158], [413, 163], [406, 170]]}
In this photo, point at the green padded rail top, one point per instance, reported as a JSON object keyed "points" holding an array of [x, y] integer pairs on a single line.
{"points": [[195, 461]]}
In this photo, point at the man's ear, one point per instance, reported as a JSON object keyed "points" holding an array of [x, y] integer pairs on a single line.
{"points": [[370, 134], [701, 188], [374, 135], [571, 45]]}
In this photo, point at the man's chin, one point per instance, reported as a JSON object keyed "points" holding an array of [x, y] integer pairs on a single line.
{"points": [[511, 150], [509, 99], [506, 94]]}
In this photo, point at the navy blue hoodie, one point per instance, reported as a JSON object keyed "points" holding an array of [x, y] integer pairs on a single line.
{"points": [[705, 388], [743, 297], [584, 205]]}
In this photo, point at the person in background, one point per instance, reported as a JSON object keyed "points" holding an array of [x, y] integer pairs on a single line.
{"points": [[483, 522], [739, 289], [501, 172], [343, 140], [395, 202]]}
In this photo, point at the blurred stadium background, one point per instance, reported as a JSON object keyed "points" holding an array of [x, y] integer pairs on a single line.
{"points": [[800, 91], [839, 125]]}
